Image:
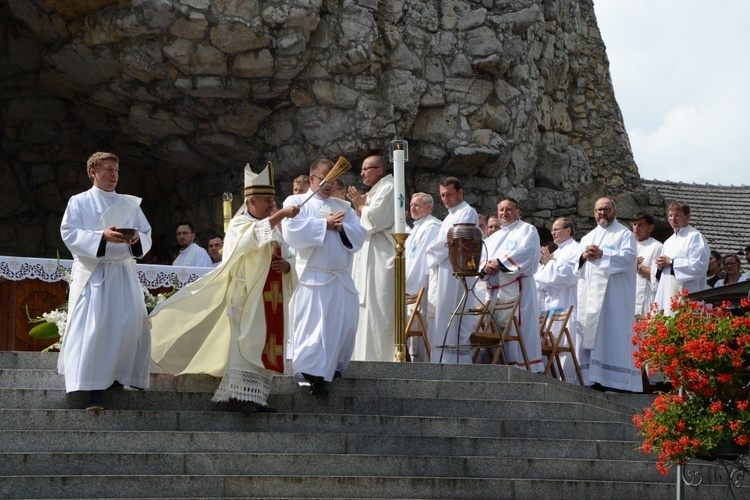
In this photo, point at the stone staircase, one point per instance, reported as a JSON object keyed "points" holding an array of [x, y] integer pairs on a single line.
{"points": [[386, 430]]}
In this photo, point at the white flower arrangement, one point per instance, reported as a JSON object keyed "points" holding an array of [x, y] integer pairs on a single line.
{"points": [[55, 321]]}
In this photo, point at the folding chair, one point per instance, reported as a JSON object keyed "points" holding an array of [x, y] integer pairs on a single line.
{"points": [[418, 329], [553, 336], [486, 336], [543, 323]]}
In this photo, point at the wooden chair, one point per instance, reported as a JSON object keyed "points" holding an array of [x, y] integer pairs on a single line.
{"points": [[486, 335], [415, 326], [543, 323], [555, 331]]}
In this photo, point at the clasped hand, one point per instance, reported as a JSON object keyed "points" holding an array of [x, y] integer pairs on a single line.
{"points": [[592, 252], [663, 261], [335, 221]]}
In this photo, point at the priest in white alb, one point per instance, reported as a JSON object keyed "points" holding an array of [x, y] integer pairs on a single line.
{"points": [[683, 262], [373, 266], [557, 282], [446, 291], [606, 301], [324, 308], [230, 323], [648, 249], [510, 262], [423, 235], [106, 342]]}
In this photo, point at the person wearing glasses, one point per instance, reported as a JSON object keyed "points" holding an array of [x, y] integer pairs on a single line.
{"points": [[684, 261], [732, 271], [373, 265], [606, 301], [191, 254], [323, 310]]}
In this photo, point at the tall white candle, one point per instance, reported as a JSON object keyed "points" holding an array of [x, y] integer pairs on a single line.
{"points": [[399, 192]]}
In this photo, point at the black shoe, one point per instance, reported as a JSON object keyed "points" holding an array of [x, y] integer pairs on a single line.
{"points": [[251, 407], [337, 374], [116, 386], [96, 401], [319, 388]]}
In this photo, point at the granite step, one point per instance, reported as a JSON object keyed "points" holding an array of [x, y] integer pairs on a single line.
{"points": [[222, 486], [313, 464], [304, 403], [122, 420], [14, 441], [542, 390]]}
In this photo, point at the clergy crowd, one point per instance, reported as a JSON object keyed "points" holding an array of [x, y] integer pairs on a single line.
{"points": [[308, 287]]}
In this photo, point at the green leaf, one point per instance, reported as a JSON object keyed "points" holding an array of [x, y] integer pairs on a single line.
{"points": [[45, 331]]}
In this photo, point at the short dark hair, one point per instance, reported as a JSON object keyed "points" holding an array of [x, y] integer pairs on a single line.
{"points": [[214, 236], [320, 162], [451, 181], [716, 255], [679, 205], [645, 216], [185, 223], [567, 223], [508, 198]]}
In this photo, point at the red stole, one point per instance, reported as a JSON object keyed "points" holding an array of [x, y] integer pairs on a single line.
{"points": [[273, 304]]}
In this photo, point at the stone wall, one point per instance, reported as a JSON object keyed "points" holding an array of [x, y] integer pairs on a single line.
{"points": [[512, 96]]}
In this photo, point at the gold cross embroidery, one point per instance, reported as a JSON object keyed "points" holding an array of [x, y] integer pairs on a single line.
{"points": [[274, 296], [272, 349]]}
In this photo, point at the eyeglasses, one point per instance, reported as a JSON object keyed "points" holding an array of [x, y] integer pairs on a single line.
{"points": [[603, 210], [321, 179], [365, 169]]}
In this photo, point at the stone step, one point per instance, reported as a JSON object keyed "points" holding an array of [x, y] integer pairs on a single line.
{"points": [[485, 390], [386, 370], [305, 403], [14, 441], [223, 486], [121, 420], [291, 464]]}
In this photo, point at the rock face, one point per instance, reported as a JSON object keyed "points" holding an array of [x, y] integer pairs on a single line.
{"points": [[514, 97]]}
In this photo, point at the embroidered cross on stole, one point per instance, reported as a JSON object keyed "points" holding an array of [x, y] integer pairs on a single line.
{"points": [[273, 304]]}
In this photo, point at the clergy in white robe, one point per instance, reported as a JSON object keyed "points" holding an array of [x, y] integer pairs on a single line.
{"points": [[511, 260], [648, 249], [324, 307], [684, 260], [230, 323], [106, 341], [373, 265], [606, 301], [423, 235], [557, 282], [446, 294], [191, 255]]}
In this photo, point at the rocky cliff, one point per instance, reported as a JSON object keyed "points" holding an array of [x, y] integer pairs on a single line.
{"points": [[512, 96]]}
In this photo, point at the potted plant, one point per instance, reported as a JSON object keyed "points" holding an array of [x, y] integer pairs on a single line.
{"points": [[703, 352]]}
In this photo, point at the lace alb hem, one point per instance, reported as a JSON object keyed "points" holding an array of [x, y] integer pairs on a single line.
{"points": [[243, 386]]}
